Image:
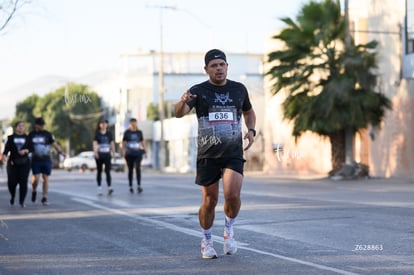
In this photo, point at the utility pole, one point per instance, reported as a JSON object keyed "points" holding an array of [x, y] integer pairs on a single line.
{"points": [[349, 134], [161, 88]]}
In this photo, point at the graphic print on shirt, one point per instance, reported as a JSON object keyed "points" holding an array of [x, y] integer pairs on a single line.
{"points": [[223, 98], [41, 146], [19, 142]]}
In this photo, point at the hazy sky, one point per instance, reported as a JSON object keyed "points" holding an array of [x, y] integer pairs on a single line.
{"points": [[74, 37]]}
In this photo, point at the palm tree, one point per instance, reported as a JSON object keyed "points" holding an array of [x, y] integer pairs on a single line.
{"points": [[330, 88]]}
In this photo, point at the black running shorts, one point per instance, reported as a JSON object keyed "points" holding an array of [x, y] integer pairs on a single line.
{"points": [[210, 170]]}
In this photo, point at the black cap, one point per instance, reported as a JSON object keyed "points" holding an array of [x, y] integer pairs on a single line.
{"points": [[39, 121], [214, 54]]}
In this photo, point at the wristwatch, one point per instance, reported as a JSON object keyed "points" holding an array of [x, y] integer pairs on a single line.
{"points": [[253, 130]]}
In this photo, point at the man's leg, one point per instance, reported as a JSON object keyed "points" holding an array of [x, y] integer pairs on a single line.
{"points": [[46, 172], [206, 212], [35, 181], [45, 188], [232, 183], [206, 216]]}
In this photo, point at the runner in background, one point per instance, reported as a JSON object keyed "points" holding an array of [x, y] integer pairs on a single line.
{"points": [[133, 149], [104, 148], [16, 153], [40, 143]]}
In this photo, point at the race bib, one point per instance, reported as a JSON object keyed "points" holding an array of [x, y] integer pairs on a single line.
{"points": [[222, 115], [134, 145], [104, 148]]}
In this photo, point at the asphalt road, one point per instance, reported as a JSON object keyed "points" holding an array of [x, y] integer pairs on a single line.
{"points": [[286, 226]]}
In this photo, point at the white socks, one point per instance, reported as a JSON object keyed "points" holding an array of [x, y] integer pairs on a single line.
{"points": [[206, 233], [228, 225]]}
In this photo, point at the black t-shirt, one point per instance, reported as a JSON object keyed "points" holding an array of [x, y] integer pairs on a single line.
{"points": [[219, 110], [104, 143], [40, 143], [14, 144], [133, 141]]}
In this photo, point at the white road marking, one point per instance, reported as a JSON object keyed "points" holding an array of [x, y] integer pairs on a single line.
{"points": [[90, 201]]}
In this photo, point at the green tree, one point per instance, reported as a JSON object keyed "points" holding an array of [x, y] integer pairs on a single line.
{"points": [[71, 113], [24, 111], [330, 87], [153, 114]]}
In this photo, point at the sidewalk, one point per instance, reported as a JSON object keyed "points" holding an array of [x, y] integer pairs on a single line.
{"points": [[308, 176], [305, 177]]}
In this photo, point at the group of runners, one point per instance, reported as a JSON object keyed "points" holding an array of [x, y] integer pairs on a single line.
{"points": [[220, 105], [24, 153]]}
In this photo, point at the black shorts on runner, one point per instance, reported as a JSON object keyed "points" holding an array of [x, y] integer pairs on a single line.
{"points": [[210, 170]]}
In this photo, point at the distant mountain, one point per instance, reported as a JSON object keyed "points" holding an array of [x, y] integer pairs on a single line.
{"points": [[44, 85]]}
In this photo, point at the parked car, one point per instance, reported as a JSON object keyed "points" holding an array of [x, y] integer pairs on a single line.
{"points": [[86, 161], [118, 163]]}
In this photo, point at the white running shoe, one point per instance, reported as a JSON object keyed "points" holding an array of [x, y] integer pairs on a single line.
{"points": [[230, 245], [99, 191], [207, 249]]}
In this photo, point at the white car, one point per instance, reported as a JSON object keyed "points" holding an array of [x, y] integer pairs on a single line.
{"points": [[118, 163], [84, 161]]}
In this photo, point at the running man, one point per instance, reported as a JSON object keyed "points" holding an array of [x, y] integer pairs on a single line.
{"points": [[220, 104], [40, 143]]}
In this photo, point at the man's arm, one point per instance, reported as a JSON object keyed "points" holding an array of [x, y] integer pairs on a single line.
{"points": [[250, 121], [57, 148], [181, 108]]}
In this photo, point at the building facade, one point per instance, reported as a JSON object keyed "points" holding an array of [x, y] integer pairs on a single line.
{"points": [[388, 150], [391, 23]]}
